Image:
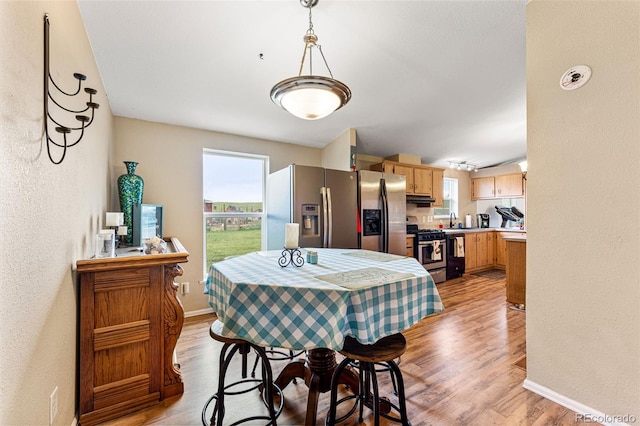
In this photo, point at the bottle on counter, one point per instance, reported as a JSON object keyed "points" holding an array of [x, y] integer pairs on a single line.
{"points": [[440, 225]]}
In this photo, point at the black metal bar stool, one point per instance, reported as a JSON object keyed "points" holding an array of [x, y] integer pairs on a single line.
{"points": [[277, 354], [367, 357], [264, 384]]}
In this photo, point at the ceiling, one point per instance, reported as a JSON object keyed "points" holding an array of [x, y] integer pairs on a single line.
{"points": [[443, 80]]}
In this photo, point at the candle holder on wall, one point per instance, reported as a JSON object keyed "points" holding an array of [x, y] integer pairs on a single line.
{"points": [[84, 120], [291, 257]]}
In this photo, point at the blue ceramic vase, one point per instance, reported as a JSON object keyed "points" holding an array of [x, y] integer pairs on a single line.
{"points": [[130, 187]]}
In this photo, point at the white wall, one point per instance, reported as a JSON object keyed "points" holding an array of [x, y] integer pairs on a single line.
{"points": [[170, 163], [583, 272], [48, 213]]}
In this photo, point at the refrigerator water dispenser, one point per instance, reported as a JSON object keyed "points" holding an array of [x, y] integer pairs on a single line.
{"points": [[310, 225], [372, 223]]}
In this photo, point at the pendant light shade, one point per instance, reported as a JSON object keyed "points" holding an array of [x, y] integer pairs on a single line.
{"points": [[310, 96]]}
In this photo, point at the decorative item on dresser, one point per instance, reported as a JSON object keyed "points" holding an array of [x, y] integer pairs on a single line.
{"points": [[130, 321], [130, 190]]}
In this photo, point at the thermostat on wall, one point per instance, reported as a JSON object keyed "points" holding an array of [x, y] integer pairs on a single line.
{"points": [[575, 77]]}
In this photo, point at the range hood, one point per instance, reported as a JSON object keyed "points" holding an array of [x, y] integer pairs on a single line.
{"points": [[420, 200]]}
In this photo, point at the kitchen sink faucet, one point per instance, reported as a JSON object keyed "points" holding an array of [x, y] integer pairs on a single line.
{"points": [[452, 217]]}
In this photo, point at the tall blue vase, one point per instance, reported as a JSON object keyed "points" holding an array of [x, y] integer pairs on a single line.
{"points": [[130, 187]]}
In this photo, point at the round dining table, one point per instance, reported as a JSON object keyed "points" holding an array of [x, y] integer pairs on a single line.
{"points": [[359, 293]]}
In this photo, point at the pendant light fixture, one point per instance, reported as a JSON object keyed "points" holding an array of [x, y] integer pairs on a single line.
{"points": [[310, 96]]}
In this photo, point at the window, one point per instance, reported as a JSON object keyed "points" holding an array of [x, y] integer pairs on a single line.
{"points": [[450, 197], [233, 203]]}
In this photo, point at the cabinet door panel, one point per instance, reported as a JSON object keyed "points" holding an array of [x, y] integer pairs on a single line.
{"points": [[482, 188], [471, 250], [438, 179], [408, 172], [423, 181], [509, 185]]}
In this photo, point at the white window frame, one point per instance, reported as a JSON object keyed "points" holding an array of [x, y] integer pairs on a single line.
{"points": [[224, 215]]}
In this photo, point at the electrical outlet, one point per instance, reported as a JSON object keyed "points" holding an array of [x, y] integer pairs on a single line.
{"points": [[53, 405], [185, 288]]}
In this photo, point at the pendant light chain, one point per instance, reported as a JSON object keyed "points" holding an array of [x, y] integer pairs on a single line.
{"points": [[310, 39]]}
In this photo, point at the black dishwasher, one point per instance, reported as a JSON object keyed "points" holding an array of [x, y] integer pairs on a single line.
{"points": [[455, 256]]}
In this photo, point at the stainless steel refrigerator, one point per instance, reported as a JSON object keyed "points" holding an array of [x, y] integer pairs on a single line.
{"points": [[383, 211], [323, 201]]}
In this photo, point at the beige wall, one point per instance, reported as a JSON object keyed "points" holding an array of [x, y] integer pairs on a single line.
{"points": [[170, 162], [583, 276], [337, 154], [48, 213]]}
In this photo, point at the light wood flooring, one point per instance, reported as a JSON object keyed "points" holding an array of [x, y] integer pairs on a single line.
{"points": [[458, 369]]}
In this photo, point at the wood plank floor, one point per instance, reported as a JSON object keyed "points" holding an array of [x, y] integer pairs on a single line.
{"points": [[458, 369]]}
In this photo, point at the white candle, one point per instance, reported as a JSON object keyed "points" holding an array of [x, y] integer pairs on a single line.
{"points": [[291, 231], [122, 230]]}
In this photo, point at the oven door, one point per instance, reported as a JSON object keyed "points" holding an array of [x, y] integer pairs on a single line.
{"points": [[432, 257]]}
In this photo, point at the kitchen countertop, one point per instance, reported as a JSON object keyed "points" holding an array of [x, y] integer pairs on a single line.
{"points": [[465, 230], [516, 237]]}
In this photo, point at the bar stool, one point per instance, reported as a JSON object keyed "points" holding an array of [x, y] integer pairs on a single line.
{"points": [[277, 354], [245, 385], [385, 350]]}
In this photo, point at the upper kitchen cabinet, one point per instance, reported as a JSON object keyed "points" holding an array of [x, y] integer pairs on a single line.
{"points": [[438, 181], [421, 180], [501, 186]]}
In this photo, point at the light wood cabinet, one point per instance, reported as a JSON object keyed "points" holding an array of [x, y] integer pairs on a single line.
{"points": [[501, 247], [411, 251], [516, 287], [438, 181], [479, 251], [509, 185], [130, 321], [482, 188], [501, 186], [421, 180]]}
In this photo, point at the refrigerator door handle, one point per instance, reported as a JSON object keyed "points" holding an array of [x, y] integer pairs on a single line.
{"points": [[385, 216], [325, 224], [330, 219]]}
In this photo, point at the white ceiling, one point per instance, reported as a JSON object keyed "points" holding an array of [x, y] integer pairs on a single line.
{"points": [[443, 80]]}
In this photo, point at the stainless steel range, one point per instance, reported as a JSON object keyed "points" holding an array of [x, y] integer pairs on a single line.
{"points": [[431, 249]]}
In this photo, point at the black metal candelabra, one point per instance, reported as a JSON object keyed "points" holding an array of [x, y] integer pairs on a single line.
{"points": [[291, 257]]}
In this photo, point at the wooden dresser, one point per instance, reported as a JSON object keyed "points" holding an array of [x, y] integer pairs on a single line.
{"points": [[130, 321]]}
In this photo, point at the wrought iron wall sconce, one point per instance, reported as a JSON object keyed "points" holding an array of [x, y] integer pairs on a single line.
{"points": [[84, 120]]}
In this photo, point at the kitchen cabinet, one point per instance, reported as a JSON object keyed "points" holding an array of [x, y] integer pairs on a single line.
{"points": [[396, 169], [482, 188], [421, 180], [479, 251], [516, 249], [501, 186], [130, 321], [438, 181], [411, 251], [501, 247], [509, 185]]}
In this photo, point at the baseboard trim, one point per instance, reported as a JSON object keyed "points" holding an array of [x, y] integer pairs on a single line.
{"points": [[198, 312], [589, 415]]}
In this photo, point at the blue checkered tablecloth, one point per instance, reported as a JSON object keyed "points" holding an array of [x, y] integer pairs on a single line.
{"points": [[358, 293]]}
